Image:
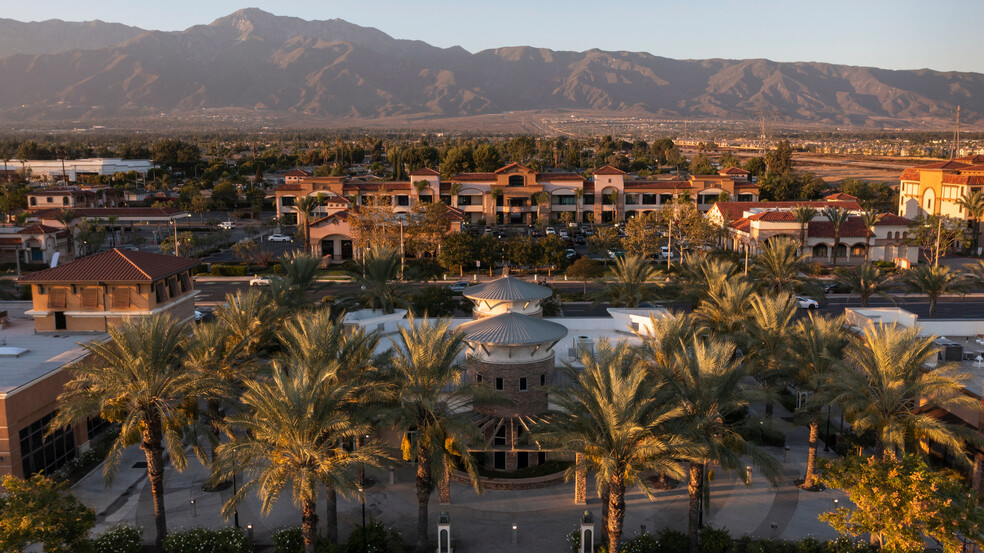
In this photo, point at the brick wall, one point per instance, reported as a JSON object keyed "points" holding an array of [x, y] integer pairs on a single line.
{"points": [[529, 402]]}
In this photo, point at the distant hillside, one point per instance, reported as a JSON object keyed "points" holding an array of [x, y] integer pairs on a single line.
{"points": [[54, 35], [334, 69]]}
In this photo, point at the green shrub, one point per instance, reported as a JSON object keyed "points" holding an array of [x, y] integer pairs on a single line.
{"points": [[121, 538], [377, 539], [716, 540], [195, 540], [219, 269], [288, 540], [643, 543], [671, 541]]}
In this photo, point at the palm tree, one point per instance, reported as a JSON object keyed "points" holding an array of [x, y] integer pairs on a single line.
{"points": [[869, 219], [494, 194], [837, 216], [865, 280], [778, 267], [291, 433], [374, 273], [540, 198], [699, 275], [613, 197], [298, 274], [252, 318], [881, 387], [137, 379], [305, 205], [973, 202], [420, 186], [974, 273], [803, 215], [820, 343], [111, 225], [703, 377], [618, 418], [630, 286], [455, 190], [66, 217], [934, 281], [578, 196], [324, 347], [767, 340], [727, 308], [430, 399]]}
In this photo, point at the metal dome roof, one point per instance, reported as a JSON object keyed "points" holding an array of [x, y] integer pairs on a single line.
{"points": [[507, 288], [512, 329]]}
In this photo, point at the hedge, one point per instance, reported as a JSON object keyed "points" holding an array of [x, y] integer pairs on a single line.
{"points": [[196, 540]]}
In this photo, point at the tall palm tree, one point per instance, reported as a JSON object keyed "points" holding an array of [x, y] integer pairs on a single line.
{"points": [[837, 216], [252, 318], [305, 205], [540, 198], [374, 273], [727, 308], [455, 190], [881, 386], [494, 195], [698, 276], [291, 433], [778, 267], [616, 415], [137, 379], [767, 340], [869, 219], [430, 399], [298, 274], [420, 186], [865, 280], [67, 217], [703, 377], [934, 281], [973, 202], [324, 347], [630, 281], [578, 196], [820, 343], [974, 273], [803, 215], [613, 197]]}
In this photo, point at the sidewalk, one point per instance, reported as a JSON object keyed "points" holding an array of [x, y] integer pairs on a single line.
{"points": [[481, 523]]}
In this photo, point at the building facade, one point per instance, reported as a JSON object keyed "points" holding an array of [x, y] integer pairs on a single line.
{"points": [[32, 243], [936, 188]]}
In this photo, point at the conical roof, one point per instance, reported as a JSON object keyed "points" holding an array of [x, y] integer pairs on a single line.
{"points": [[507, 288], [512, 329]]}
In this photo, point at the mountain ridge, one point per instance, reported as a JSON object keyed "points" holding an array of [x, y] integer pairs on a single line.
{"points": [[334, 69]]}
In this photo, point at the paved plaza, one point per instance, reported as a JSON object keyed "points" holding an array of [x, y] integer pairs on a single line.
{"points": [[481, 523]]}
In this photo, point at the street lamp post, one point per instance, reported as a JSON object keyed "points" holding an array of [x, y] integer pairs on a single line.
{"points": [[362, 492]]}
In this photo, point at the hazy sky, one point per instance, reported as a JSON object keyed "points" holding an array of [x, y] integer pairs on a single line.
{"points": [[896, 34]]}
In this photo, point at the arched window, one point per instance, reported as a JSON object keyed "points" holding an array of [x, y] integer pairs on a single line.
{"points": [[857, 250], [820, 250], [34, 201], [517, 180]]}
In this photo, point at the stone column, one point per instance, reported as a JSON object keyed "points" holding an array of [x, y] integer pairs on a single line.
{"points": [[580, 480]]}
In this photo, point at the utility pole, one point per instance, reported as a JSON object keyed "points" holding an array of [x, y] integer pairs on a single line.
{"points": [[956, 136]]}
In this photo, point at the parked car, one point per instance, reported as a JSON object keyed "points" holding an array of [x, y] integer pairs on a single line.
{"points": [[570, 253], [834, 288], [277, 237], [579, 240], [227, 225], [459, 286], [551, 231], [203, 315], [588, 230], [259, 281], [562, 233], [666, 253], [806, 303], [615, 254]]}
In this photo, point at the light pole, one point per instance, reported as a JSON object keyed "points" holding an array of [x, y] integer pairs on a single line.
{"points": [[939, 230], [362, 493]]}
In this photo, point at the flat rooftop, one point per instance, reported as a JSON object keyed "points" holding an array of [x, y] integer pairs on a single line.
{"points": [[45, 353]]}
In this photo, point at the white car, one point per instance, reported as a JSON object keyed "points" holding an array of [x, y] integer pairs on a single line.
{"points": [[277, 237], [551, 230], [562, 233], [459, 286], [227, 225], [259, 281], [806, 303]]}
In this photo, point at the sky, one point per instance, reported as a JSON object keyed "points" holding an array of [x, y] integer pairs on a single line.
{"points": [[893, 34]]}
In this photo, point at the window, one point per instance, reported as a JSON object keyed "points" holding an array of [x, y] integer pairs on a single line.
{"points": [[90, 298], [57, 298], [288, 201], [121, 298], [50, 200], [478, 378], [34, 201], [517, 180], [500, 436], [565, 200], [40, 454], [403, 200], [522, 384], [543, 379], [427, 198], [631, 199], [160, 292], [185, 282], [650, 199], [587, 199], [467, 200], [64, 200], [499, 200], [498, 383], [172, 287], [95, 426], [446, 199], [517, 202]]}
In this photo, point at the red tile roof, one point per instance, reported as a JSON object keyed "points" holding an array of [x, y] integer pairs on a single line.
{"points": [[115, 266], [840, 196], [657, 185], [910, 174], [558, 176], [510, 166], [852, 228], [608, 170], [951, 178], [426, 171], [297, 173], [474, 177], [734, 210], [742, 224], [892, 220], [40, 229], [943, 165], [773, 217], [734, 171], [971, 159], [104, 212]]}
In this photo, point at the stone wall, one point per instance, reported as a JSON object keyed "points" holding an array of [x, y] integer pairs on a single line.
{"points": [[532, 401]]}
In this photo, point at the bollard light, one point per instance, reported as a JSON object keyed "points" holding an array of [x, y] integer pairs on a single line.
{"points": [[249, 531], [515, 536]]}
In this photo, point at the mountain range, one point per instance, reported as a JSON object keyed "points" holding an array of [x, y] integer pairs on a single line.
{"points": [[333, 70]]}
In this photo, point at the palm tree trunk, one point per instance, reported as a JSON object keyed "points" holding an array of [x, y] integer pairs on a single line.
{"points": [[616, 511], [605, 493], [309, 524], [695, 488], [811, 457], [151, 444], [424, 486], [331, 518], [932, 306], [834, 253]]}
